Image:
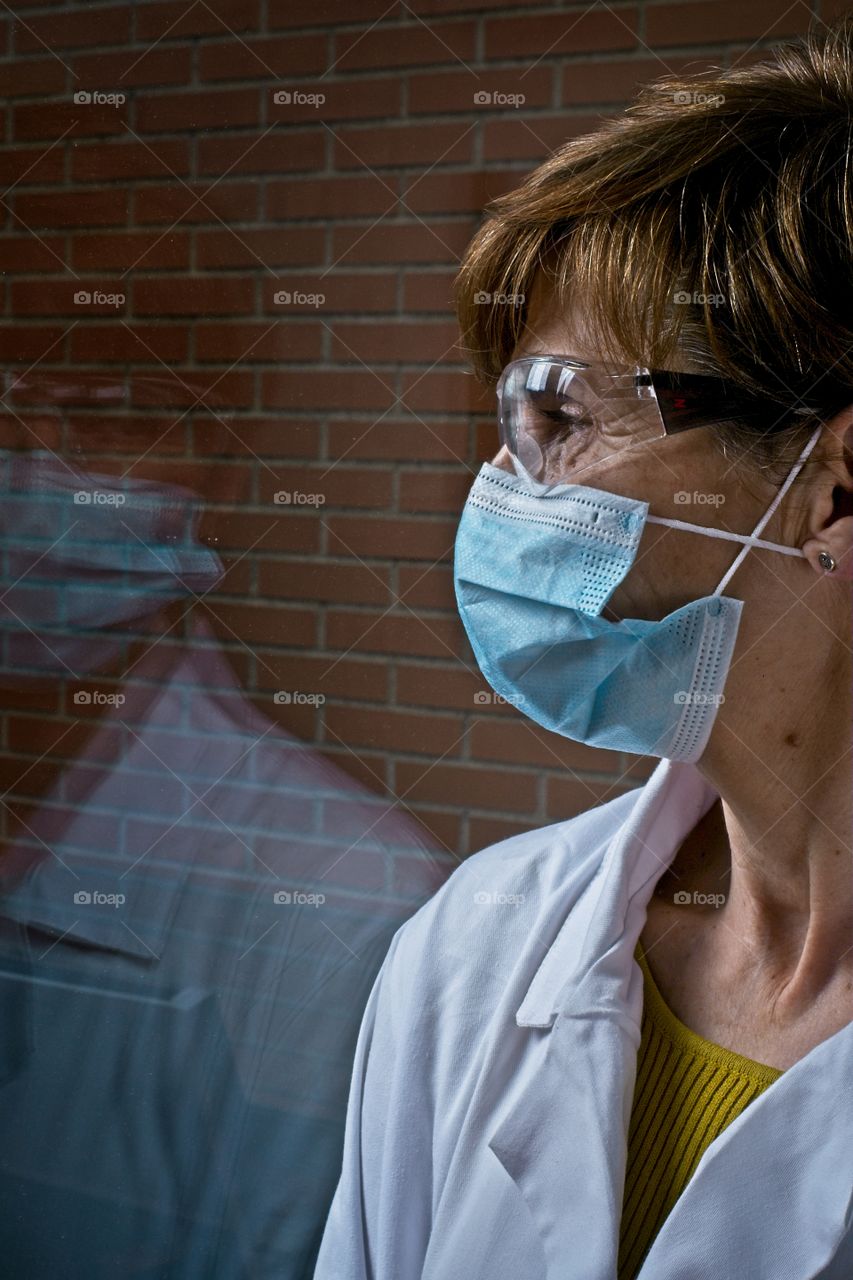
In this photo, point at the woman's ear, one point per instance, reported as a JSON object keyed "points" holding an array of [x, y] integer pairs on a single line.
{"points": [[829, 550]]}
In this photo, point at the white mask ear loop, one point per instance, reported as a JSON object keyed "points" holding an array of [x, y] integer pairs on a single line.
{"points": [[753, 537], [749, 540]]}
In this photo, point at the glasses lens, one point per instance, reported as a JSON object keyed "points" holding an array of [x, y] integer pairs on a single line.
{"points": [[557, 417]]}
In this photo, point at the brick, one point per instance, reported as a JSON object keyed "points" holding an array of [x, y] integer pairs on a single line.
{"points": [[260, 248], [333, 389], [273, 437], [368, 768], [467, 785], [424, 539], [444, 391], [177, 20], [391, 730], [30, 342], [431, 588], [73, 30], [257, 342], [445, 491], [141, 344], [324, 580], [394, 342], [213, 108], [438, 92], [264, 533], [435, 685], [349, 677], [197, 202], [276, 153], [406, 440], [186, 296], [404, 145], [407, 45], [451, 192], [356, 100], [366, 632], [329, 198], [444, 826], [483, 832], [428, 291], [517, 739], [131, 250], [566, 798], [316, 13], [264, 59], [532, 137], [54, 119], [403, 242], [442, 6], [126, 69], [47, 298], [618, 80], [344, 291], [340, 486], [721, 22], [72, 209], [263, 623], [104, 162], [33, 78], [575, 30], [31, 167], [20, 253]]}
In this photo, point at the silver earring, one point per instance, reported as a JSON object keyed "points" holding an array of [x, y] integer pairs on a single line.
{"points": [[826, 561]]}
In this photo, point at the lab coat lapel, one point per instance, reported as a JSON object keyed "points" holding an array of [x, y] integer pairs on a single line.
{"points": [[563, 1140], [771, 1198]]}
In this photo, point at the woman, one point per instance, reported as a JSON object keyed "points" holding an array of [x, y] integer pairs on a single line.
{"points": [[622, 1046]]}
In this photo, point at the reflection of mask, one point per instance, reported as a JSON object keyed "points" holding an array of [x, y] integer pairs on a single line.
{"points": [[534, 569], [83, 552]]}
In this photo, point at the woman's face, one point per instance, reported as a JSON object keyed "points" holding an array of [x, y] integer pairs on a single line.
{"points": [[684, 477]]}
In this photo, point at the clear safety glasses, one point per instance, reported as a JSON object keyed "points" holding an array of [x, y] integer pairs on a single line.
{"points": [[558, 415]]}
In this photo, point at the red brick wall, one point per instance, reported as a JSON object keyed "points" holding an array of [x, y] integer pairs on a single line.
{"points": [[201, 198]]}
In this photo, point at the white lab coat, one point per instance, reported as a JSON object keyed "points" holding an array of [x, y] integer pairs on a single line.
{"points": [[493, 1080]]}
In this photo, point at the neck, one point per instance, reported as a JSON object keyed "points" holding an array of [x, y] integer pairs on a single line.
{"points": [[783, 842]]}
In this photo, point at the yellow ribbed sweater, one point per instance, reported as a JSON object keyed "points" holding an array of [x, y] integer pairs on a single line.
{"points": [[687, 1090]]}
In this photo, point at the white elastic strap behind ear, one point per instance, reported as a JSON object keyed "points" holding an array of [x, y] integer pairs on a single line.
{"points": [[750, 540]]}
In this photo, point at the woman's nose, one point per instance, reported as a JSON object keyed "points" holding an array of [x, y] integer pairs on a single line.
{"points": [[503, 460]]}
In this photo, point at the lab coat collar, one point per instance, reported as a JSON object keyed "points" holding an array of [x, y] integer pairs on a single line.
{"points": [[563, 1133], [673, 800]]}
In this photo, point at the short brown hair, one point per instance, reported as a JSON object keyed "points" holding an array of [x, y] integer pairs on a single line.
{"points": [[736, 187]]}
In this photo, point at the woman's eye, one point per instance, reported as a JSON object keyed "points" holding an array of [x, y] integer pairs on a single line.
{"points": [[569, 417]]}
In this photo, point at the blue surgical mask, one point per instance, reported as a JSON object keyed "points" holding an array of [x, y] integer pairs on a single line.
{"points": [[533, 568], [84, 559]]}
